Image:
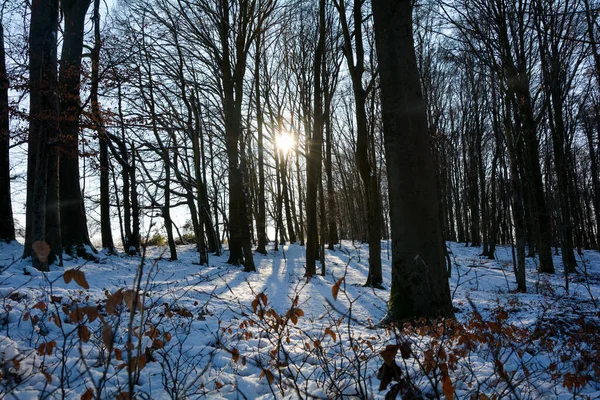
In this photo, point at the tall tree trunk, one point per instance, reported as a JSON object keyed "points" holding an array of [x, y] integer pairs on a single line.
{"points": [[313, 167], [366, 170], [199, 214], [518, 201], [286, 198], [43, 109], [419, 278], [74, 227], [261, 221], [105, 225], [7, 225], [166, 209]]}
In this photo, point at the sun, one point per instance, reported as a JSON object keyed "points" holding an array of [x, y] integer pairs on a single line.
{"points": [[284, 142]]}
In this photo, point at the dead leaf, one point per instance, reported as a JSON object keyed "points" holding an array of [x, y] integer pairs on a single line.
{"points": [[447, 387], [331, 333], [41, 250], [132, 298], [88, 395], [76, 316], [40, 306], [405, 350], [119, 354], [80, 279], [336, 288], [78, 276], [235, 355], [107, 337], [92, 313], [113, 301], [56, 320], [84, 333], [389, 354], [269, 375]]}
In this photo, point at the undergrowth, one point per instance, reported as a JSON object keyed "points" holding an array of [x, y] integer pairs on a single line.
{"points": [[70, 344]]}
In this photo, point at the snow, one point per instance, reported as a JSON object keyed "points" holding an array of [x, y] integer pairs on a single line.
{"points": [[202, 334]]}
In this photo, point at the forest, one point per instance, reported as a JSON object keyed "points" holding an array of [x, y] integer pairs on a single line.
{"points": [[299, 199]]}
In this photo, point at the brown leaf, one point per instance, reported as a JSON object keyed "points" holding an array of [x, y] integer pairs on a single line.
{"points": [[79, 278], [40, 306], [76, 316], [107, 337], [113, 301], [48, 376], [447, 387], [336, 288], [142, 362], [158, 344], [84, 333], [68, 275], [167, 336], [123, 396], [269, 375], [46, 348], [218, 384], [118, 354], [76, 275], [389, 354], [56, 320], [41, 250], [88, 395], [331, 333], [132, 298], [263, 298], [235, 355], [92, 313]]}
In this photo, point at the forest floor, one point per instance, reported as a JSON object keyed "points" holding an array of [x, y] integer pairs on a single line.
{"points": [[195, 331]]}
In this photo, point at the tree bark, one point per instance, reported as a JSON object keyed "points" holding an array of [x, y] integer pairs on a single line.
{"points": [[314, 156], [105, 225], [7, 225], [73, 226], [43, 109], [419, 278]]}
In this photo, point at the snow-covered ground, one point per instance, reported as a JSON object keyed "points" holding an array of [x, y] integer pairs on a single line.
{"points": [[219, 332]]}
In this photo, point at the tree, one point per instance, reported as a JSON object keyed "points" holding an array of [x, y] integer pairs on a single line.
{"points": [[73, 227], [419, 279], [313, 158], [105, 225], [43, 111], [7, 226], [355, 58]]}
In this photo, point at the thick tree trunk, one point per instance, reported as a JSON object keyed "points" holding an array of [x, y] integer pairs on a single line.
{"points": [[73, 226], [7, 225], [43, 109], [419, 278]]}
